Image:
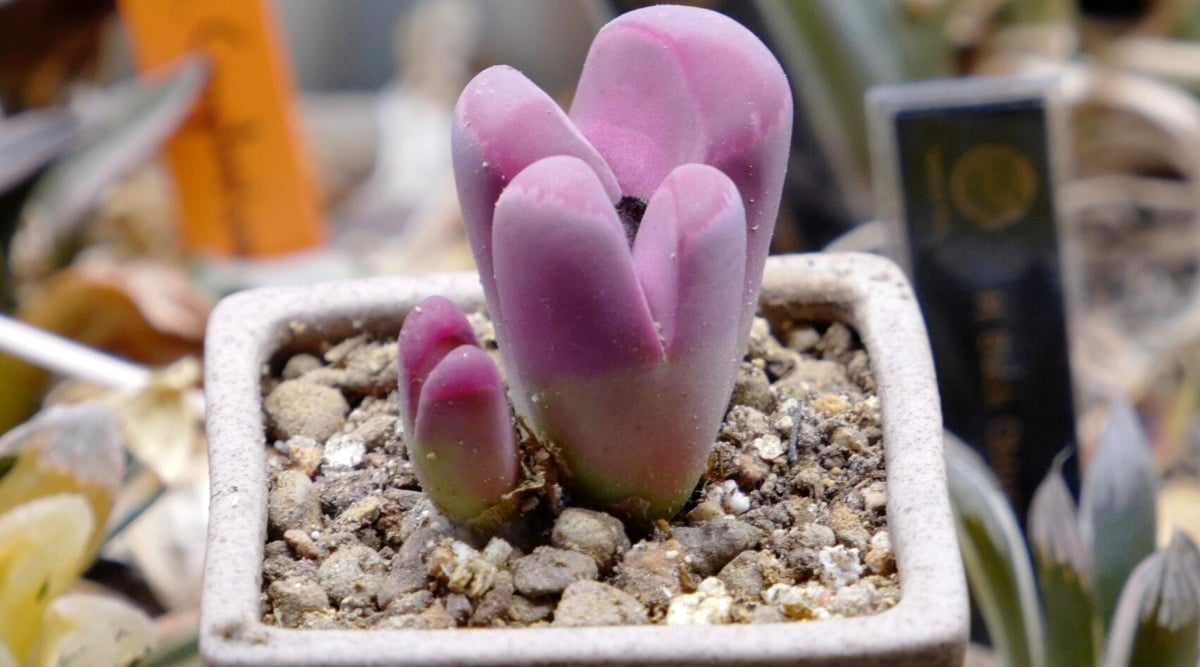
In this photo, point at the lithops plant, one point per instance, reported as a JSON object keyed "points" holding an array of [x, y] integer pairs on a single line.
{"points": [[621, 245]]}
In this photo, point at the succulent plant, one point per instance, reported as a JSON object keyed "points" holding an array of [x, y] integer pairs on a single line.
{"points": [[621, 246], [455, 415], [1096, 591]]}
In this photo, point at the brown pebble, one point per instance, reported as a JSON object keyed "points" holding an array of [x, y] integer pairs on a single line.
{"points": [[874, 497], [295, 596], [596, 534], [743, 578], [304, 454], [711, 545], [879, 558], [653, 573], [591, 603], [495, 603], [293, 502], [548, 571], [752, 388], [352, 571], [299, 364], [297, 407], [831, 404], [848, 528], [458, 606], [361, 513], [302, 544], [524, 611]]}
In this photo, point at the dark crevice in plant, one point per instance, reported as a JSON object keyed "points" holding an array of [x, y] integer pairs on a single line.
{"points": [[631, 209]]}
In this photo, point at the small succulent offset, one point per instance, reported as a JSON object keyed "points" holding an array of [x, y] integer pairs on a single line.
{"points": [[621, 249], [1096, 593]]}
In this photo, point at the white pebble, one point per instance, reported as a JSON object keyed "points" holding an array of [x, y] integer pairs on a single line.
{"points": [[711, 604], [770, 447], [839, 566], [343, 451]]}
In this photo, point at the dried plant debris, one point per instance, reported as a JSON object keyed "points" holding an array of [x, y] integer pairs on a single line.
{"points": [[788, 523]]}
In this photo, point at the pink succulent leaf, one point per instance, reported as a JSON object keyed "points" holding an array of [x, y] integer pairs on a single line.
{"points": [[689, 257], [503, 123], [462, 446], [430, 331], [625, 358], [570, 302], [634, 419], [456, 418], [670, 85]]}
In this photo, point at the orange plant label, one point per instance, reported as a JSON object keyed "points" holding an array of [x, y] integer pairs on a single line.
{"points": [[242, 176]]}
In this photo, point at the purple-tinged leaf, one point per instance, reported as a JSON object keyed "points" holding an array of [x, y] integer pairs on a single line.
{"points": [[632, 404], [462, 446], [689, 257], [503, 123], [457, 423], [569, 300], [669, 85], [431, 331]]}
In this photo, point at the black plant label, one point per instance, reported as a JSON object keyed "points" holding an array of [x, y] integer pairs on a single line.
{"points": [[977, 193]]}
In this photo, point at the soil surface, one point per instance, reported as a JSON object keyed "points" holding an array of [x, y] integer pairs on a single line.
{"points": [[789, 522]]}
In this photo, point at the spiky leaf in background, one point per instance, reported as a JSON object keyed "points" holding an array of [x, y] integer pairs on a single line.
{"points": [[30, 140], [73, 449], [1064, 573], [122, 128], [90, 630], [60, 474], [1157, 621], [1118, 504], [43, 548], [994, 556]]}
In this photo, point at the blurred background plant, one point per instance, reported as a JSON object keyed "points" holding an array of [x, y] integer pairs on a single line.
{"points": [[89, 222], [1097, 591]]}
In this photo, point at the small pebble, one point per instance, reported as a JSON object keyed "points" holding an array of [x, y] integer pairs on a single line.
{"points": [[713, 544], [293, 502], [875, 497], [353, 571], [297, 407], [299, 364], [879, 558], [711, 604], [304, 454], [839, 566], [591, 603], [524, 611], [596, 534], [293, 597], [548, 571], [302, 543], [343, 451], [753, 388], [495, 603], [652, 573]]}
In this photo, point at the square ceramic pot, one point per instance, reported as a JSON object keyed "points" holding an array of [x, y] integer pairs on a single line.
{"points": [[928, 627]]}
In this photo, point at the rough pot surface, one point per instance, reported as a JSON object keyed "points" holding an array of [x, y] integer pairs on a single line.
{"points": [[928, 626]]}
